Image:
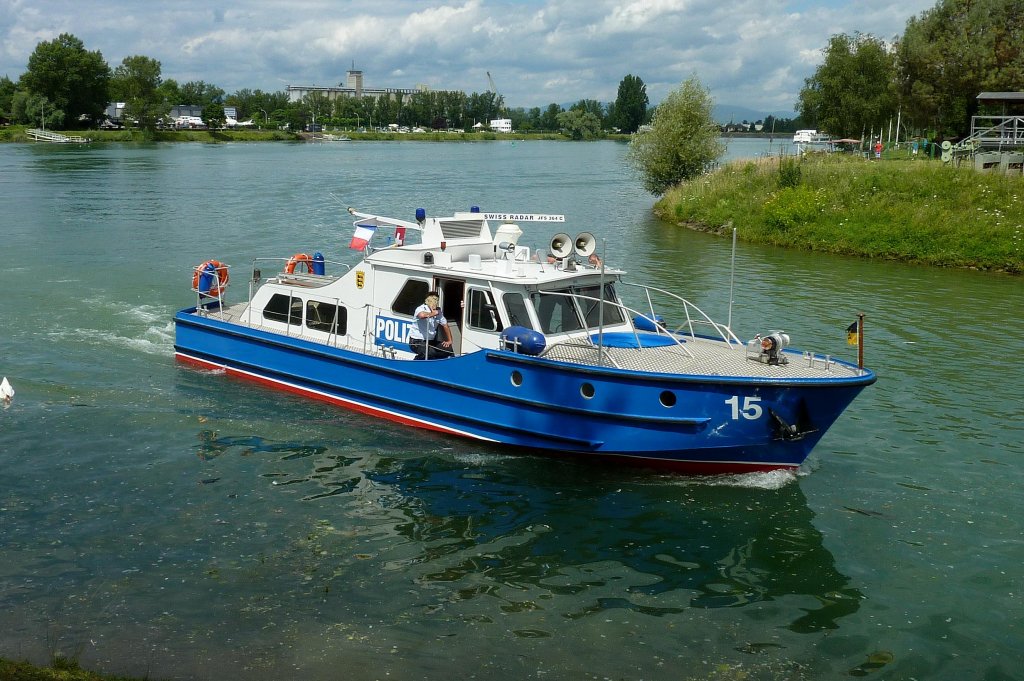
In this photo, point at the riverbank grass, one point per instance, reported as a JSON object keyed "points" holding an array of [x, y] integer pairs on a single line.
{"points": [[61, 670], [916, 211]]}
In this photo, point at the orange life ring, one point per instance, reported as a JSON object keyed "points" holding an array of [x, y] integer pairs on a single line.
{"points": [[299, 258], [217, 288]]}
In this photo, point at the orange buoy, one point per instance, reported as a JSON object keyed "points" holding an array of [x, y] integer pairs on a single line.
{"points": [[297, 259], [219, 282]]}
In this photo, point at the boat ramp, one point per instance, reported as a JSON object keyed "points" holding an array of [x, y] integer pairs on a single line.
{"points": [[39, 135]]}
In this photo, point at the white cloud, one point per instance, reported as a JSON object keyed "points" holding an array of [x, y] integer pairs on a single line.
{"points": [[754, 53]]}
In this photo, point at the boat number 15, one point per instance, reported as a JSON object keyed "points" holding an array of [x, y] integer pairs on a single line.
{"points": [[751, 409]]}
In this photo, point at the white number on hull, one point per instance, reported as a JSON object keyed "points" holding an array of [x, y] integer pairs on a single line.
{"points": [[751, 410]]}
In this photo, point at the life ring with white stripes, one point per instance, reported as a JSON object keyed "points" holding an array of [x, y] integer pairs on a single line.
{"points": [[299, 259]]}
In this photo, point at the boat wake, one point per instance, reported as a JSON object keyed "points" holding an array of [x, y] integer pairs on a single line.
{"points": [[153, 341], [766, 480], [144, 329]]}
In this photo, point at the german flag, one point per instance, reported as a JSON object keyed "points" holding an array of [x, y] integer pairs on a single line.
{"points": [[852, 334]]}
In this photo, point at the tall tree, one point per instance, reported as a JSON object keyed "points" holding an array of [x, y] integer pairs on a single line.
{"points": [[854, 89], [954, 51], [317, 106], [453, 108], [213, 115], [682, 142], [631, 104], [201, 93], [549, 119], [170, 91], [7, 90], [73, 79], [136, 82], [385, 111]]}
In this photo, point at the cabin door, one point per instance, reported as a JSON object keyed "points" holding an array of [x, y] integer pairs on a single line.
{"points": [[453, 296]]}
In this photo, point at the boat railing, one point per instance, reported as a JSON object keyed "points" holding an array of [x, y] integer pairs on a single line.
{"points": [[370, 338], [216, 285], [584, 337], [275, 265], [694, 317]]}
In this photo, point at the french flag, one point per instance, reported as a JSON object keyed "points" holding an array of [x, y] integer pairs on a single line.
{"points": [[364, 232]]}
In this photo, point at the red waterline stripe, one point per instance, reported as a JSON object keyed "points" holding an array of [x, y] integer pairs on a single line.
{"points": [[325, 397]]}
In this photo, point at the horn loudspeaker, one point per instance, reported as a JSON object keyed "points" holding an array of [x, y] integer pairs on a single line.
{"points": [[561, 245], [585, 244]]}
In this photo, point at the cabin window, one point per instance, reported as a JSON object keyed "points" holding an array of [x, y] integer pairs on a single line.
{"points": [[326, 317], [557, 312], [515, 306], [592, 308], [483, 314], [284, 309], [410, 297]]}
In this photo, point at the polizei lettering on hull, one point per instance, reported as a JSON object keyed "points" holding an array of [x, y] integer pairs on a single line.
{"points": [[392, 330]]}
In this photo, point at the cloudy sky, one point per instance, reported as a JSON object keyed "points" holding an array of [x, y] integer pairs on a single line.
{"points": [[752, 54]]}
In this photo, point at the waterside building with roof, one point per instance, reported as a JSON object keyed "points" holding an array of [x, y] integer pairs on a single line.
{"points": [[353, 88]]}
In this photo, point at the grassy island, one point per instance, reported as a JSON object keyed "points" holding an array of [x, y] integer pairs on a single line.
{"points": [[918, 211]]}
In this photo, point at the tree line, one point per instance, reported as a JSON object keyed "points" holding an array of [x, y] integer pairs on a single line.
{"points": [[925, 81], [65, 86]]}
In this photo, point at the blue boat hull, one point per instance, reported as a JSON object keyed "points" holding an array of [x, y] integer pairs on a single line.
{"points": [[684, 423]]}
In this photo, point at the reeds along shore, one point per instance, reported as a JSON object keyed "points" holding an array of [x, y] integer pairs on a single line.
{"points": [[900, 208]]}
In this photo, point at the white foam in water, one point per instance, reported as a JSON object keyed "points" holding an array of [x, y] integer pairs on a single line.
{"points": [[147, 313], [477, 459], [155, 337], [767, 480], [156, 340], [761, 480]]}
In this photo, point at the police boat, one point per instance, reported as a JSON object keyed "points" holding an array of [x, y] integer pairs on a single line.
{"points": [[553, 352]]}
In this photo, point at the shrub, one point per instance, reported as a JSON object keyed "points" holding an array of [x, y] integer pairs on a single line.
{"points": [[789, 172], [683, 140]]}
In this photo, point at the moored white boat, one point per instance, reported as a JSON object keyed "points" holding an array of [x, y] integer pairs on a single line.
{"points": [[549, 357], [805, 140]]}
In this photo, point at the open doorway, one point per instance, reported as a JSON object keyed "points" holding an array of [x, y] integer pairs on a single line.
{"points": [[453, 294]]}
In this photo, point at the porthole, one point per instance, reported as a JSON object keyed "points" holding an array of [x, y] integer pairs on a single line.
{"points": [[587, 390], [517, 379], [668, 398]]}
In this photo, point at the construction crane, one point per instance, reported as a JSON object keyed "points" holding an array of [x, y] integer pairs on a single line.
{"points": [[494, 89]]}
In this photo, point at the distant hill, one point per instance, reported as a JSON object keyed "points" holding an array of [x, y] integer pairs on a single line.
{"points": [[726, 113]]}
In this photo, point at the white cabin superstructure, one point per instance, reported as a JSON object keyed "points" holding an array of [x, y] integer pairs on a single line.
{"points": [[484, 279]]}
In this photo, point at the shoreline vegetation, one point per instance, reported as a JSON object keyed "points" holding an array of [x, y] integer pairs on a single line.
{"points": [[61, 670], [19, 134], [901, 208], [917, 211]]}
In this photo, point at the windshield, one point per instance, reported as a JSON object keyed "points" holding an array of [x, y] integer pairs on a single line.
{"points": [[564, 310], [592, 308]]}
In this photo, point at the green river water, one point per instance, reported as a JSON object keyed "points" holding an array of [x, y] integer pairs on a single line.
{"points": [[160, 521]]}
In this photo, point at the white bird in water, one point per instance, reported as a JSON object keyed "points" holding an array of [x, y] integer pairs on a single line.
{"points": [[6, 392]]}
